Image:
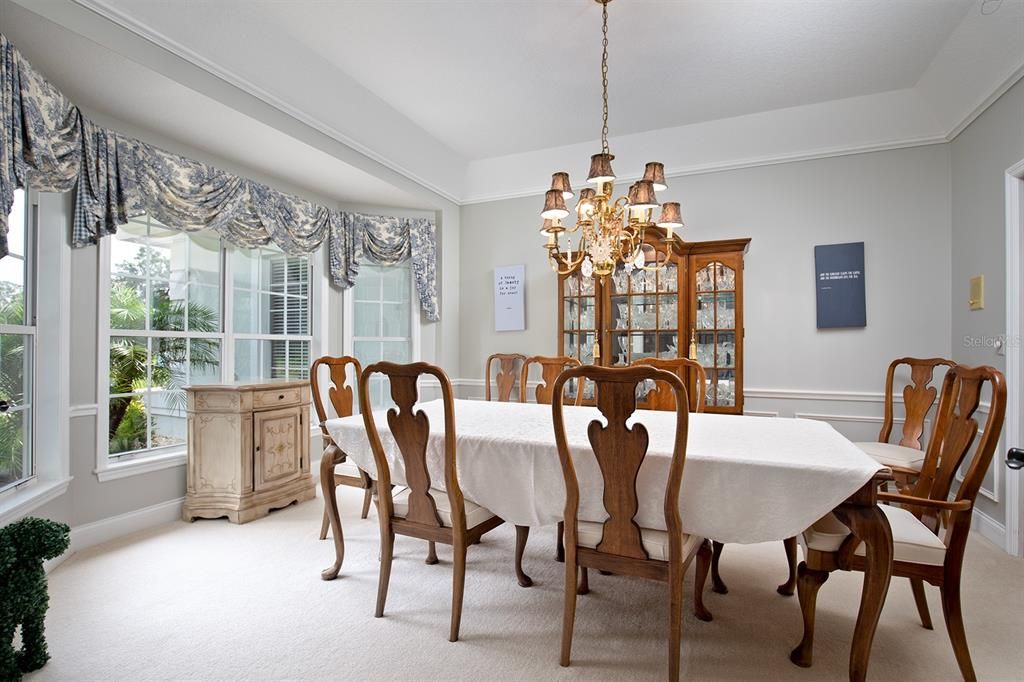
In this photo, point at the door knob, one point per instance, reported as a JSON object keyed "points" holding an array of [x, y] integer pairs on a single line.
{"points": [[1015, 458]]}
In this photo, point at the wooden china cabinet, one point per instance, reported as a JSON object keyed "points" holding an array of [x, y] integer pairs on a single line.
{"points": [[697, 296]]}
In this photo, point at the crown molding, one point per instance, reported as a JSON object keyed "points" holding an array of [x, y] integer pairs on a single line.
{"points": [[987, 101], [180, 51]]}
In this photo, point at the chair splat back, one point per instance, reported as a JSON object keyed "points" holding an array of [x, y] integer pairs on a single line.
{"points": [[620, 452], [918, 397], [662, 396], [550, 367], [411, 431], [961, 397], [340, 393], [508, 373]]}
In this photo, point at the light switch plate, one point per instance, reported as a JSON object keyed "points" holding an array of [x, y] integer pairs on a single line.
{"points": [[977, 296]]}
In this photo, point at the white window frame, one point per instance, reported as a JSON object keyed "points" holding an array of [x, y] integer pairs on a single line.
{"points": [[348, 314], [48, 218], [140, 462], [316, 283], [28, 329]]}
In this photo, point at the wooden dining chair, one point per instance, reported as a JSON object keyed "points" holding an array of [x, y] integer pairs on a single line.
{"points": [[421, 510], [550, 368], [918, 398], [921, 550], [509, 365], [341, 396], [662, 397], [618, 544], [907, 455]]}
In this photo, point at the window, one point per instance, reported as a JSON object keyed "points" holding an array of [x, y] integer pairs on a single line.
{"points": [[382, 317], [165, 331], [186, 309], [272, 329], [17, 349]]}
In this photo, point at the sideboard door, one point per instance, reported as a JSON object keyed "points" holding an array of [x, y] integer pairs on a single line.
{"points": [[278, 447]]}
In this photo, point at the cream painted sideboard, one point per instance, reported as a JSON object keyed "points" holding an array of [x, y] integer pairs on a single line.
{"points": [[248, 450]]}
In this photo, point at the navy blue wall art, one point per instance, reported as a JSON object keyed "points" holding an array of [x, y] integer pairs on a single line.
{"points": [[839, 280]]}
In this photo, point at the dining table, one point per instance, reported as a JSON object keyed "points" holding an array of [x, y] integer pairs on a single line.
{"points": [[746, 479]]}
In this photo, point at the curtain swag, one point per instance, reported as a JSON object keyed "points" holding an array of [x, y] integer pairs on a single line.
{"points": [[46, 143]]}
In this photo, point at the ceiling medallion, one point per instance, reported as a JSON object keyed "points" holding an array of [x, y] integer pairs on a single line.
{"points": [[611, 231]]}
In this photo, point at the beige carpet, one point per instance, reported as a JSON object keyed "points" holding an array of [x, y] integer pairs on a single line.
{"points": [[212, 600]]}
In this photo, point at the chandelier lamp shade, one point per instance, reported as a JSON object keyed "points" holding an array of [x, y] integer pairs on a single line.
{"points": [[608, 231]]}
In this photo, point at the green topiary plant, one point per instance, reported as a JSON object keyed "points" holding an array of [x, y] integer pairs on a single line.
{"points": [[24, 545]]}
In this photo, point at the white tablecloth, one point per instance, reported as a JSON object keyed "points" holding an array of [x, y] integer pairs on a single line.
{"points": [[746, 479]]}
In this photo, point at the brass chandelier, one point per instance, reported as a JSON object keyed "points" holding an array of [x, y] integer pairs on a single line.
{"points": [[611, 231]]}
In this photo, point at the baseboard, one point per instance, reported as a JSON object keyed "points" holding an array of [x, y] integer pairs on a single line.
{"points": [[989, 528], [95, 533]]}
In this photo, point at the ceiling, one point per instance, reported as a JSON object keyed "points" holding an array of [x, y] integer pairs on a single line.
{"points": [[494, 78], [478, 100]]}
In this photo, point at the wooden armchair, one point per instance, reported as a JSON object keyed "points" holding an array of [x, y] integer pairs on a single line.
{"points": [[341, 397], [662, 397], [905, 458], [921, 552], [550, 368], [508, 372], [421, 510], [618, 544]]}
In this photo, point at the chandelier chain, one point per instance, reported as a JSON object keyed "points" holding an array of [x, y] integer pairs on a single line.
{"points": [[604, 77]]}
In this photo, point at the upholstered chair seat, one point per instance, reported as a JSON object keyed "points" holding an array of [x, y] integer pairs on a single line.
{"points": [[475, 514], [654, 542], [911, 540], [894, 455]]}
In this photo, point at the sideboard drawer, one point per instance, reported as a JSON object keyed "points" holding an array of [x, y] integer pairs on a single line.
{"points": [[277, 397]]}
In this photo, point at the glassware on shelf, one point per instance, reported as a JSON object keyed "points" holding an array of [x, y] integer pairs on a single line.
{"points": [[643, 312], [706, 278], [587, 286], [667, 312], [623, 319], [620, 281], [709, 393], [726, 304], [705, 311], [726, 278], [706, 349], [668, 344], [587, 349], [726, 389], [572, 286], [587, 313], [727, 349], [569, 319], [569, 345], [668, 279]]}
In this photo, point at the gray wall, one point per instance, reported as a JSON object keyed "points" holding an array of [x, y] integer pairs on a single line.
{"points": [[897, 202], [980, 156]]}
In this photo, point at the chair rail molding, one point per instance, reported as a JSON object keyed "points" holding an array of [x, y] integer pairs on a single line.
{"points": [[1013, 433]]}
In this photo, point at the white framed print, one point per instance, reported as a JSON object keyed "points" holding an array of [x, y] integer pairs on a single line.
{"points": [[510, 298]]}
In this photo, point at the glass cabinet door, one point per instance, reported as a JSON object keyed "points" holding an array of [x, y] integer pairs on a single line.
{"points": [[579, 317], [715, 330], [643, 314]]}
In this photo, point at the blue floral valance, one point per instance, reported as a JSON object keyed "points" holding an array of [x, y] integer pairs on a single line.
{"points": [[46, 143]]}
